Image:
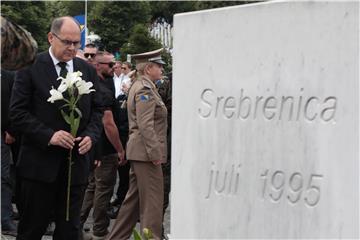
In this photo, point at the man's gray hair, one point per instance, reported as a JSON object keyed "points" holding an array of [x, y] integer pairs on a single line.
{"points": [[58, 22]]}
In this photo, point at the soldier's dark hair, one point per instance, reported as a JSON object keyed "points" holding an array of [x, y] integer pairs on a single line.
{"points": [[58, 22]]}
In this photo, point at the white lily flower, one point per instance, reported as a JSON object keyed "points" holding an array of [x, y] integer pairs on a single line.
{"points": [[71, 79], [62, 87], [84, 87], [55, 95]]}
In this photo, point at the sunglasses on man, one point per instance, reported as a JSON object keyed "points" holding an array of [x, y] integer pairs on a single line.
{"points": [[110, 64], [89, 55]]}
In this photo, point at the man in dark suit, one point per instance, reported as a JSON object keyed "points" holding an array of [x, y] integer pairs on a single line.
{"points": [[46, 143]]}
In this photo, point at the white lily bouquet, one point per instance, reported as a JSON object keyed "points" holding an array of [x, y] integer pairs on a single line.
{"points": [[70, 91]]}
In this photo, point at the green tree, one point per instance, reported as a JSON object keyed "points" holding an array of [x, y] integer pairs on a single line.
{"points": [[36, 16], [140, 41], [202, 5], [65, 8], [33, 16], [112, 21], [167, 9]]}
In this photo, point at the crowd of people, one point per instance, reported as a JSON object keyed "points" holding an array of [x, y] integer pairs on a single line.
{"points": [[123, 133]]}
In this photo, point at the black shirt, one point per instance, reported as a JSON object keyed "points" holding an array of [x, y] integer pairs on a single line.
{"points": [[109, 103]]}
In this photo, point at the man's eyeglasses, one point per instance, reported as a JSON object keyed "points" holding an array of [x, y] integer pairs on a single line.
{"points": [[124, 68], [91, 55], [110, 64], [67, 42]]}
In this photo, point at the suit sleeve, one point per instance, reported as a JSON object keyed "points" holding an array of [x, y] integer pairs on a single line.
{"points": [[20, 116], [145, 110], [94, 127]]}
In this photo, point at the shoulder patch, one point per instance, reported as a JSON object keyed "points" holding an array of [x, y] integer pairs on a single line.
{"points": [[144, 98], [146, 84]]}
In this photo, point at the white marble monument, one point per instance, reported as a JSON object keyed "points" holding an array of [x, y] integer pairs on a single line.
{"points": [[266, 122]]}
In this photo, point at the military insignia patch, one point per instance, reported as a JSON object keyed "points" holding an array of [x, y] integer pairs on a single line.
{"points": [[144, 98]]}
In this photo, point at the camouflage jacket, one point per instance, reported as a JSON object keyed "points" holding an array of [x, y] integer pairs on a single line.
{"points": [[18, 47]]}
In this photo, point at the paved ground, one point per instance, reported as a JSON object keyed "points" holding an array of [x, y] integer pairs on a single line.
{"points": [[90, 220], [89, 224]]}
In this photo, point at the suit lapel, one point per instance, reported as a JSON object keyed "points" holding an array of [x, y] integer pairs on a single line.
{"points": [[76, 65], [50, 71]]}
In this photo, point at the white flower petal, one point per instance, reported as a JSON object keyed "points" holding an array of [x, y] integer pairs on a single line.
{"points": [[55, 95], [84, 87], [62, 87]]}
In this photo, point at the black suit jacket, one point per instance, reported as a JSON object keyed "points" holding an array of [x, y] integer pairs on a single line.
{"points": [[38, 120]]}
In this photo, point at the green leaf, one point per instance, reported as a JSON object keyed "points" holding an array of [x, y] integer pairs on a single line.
{"points": [[75, 127], [66, 117], [136, 235], [65, 105], [78, 112]]}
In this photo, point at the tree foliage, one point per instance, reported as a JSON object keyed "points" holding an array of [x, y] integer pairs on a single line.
{"points": [[122, 25], [167, 9], [33, 16], [65, 8], [36, 16], [140, 41], [113, 21]]}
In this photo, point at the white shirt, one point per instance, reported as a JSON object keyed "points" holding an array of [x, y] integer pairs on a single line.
{"points": [[118, 83], [69, 64]]}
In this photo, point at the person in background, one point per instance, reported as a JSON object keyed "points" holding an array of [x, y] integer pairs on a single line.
{"points": [[18, 50], [90, 51], [165, 91], [117, 78], [146, 151], [7, 138], [80, 54], [121, 112], [112, 151], [126, 68], [125, 78]]}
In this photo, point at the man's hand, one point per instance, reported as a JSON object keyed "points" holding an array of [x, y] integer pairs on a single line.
{"points": [[9, 139], [156, 162], [63, 139], [84, 145], [121, 156]]}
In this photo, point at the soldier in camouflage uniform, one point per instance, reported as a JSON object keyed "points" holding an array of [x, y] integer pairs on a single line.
{"points": [[165, 91], [18, 48]]}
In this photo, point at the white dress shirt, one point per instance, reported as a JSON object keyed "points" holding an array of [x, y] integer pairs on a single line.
{"points": [[118, 83], [69, 64]]}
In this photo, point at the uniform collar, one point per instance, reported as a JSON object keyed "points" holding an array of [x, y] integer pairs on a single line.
{"points": [[148, 80]]}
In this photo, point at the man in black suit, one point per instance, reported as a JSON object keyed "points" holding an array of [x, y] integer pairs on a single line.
{"points": [[46, 142]]}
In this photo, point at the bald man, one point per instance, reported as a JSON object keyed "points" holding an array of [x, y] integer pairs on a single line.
{"points": [[43, 158]]}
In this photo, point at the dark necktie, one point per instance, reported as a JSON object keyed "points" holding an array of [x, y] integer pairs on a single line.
{"points": [[63, 70]]}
